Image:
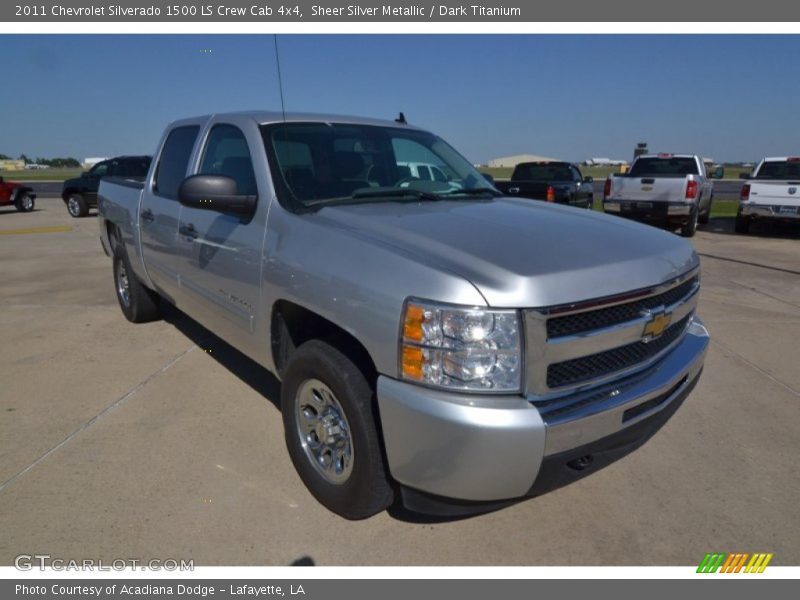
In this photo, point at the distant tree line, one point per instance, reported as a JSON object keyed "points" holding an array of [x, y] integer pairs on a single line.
{"points": [[50, 162]]}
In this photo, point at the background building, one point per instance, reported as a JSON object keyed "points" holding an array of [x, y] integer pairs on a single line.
{"points": [[11, 165]]}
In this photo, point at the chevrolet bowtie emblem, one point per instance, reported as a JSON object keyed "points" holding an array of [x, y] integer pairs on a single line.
{"points": [[658, 322]]}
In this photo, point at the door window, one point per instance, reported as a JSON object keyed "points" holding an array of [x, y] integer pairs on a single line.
{"points": [[174, 160], [226, 153]]}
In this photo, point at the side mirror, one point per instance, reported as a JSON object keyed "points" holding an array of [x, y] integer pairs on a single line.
{"points": [[588, 179], [744, 175], [2, 180], [86, 174], [215, 192], [488, 178]]}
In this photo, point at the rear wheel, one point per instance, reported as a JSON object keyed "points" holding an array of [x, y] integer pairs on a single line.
{"points": [[24, 202], [76, 206], [331, 432], [704, 216], [138, 303], [690, 227], [742, 224]]}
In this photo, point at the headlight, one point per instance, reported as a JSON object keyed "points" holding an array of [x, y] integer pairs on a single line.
{"points": [[461, 348]]}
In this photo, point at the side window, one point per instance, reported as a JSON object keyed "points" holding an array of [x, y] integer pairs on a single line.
{"points": [[99, 170], [226, 153], [576, 174], [174, 159]]}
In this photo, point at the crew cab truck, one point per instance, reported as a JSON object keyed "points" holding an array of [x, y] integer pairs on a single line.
{"points": [[551, 181], [771, 193], [670, 190], [17, 194], [80, 193], [438, 344]]}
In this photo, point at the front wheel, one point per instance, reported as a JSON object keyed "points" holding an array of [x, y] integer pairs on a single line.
{"points": [[138, 303], [24, 202], [331, 431], [76, 206]]}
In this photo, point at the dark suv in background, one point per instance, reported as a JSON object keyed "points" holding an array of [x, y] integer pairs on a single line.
{"points": [[80, 193]]}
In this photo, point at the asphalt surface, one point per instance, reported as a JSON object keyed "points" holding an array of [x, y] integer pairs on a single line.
{"points": [[159, 441]]}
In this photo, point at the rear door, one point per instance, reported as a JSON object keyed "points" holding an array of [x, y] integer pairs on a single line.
{"points": [[220, 253], [160, 210]]}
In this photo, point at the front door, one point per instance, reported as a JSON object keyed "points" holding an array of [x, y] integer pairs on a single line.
{"points": [[219, 252]]}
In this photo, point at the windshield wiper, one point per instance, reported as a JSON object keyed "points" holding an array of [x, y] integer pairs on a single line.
{"points": [[371, 195]]}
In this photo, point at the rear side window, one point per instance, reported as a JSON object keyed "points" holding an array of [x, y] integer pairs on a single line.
{"points": [[227, 154], [174, 160], [135, 167]]}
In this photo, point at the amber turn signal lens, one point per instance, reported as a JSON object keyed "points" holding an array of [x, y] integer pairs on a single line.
{"points": [[412, 325], [412, 362]]}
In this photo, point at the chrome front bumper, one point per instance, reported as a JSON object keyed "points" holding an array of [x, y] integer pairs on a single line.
{"points": [[487, 448], [769, 211]]}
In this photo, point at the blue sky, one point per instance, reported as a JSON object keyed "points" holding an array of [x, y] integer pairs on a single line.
{"points": [[572, 97]]}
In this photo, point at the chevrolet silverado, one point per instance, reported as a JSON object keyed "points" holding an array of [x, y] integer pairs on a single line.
{"points": [[438, 344]]}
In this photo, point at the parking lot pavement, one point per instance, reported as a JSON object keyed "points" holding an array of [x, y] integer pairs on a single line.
{"points": [[160, 441]]}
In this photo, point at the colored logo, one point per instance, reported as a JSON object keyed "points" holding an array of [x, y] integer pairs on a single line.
{"points": [[658, 322], [734, 562]]}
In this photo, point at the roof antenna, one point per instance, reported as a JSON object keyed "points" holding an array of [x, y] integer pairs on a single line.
{"points": [[280, 80], [401, 119]]}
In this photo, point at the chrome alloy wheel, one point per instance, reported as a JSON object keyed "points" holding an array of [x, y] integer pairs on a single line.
{"points": [[27, 203], [324, 431], [73, 206], [123, 285]]}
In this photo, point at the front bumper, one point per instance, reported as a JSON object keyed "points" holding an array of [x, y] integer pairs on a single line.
{"points": [[494, 448], [770, 211]]}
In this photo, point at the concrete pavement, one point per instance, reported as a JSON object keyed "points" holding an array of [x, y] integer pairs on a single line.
{"points": [[160, 441]]}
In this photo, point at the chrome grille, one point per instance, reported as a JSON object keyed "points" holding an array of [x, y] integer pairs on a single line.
{"points": [[585, 368], [619, 313], [603, 341]]}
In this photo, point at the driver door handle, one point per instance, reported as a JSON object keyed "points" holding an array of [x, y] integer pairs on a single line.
{"points": [[147, 215], [513, 190], [188, 231]]}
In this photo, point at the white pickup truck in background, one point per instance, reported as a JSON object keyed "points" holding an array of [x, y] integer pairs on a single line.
{"points": [[668, 190], [771, 193]]}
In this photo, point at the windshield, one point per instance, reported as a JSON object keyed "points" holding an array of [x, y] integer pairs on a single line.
{"points": [[314, 164], [664, 167], [779, 170]]}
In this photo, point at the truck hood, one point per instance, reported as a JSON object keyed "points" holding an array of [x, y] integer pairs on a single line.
{"points": [[520, 253]]}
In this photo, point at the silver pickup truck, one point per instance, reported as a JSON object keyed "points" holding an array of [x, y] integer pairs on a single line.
{"points": [[438, 344], [770, 193], [672, 190]]}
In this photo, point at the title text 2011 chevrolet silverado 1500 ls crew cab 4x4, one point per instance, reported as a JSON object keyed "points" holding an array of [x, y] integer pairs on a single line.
{"points": [[670, 190], [436, 342], [772, 193]]}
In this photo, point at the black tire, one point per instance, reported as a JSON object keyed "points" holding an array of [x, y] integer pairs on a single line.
{"points": [[77, 206], [141, 304], [25, 202], [365, 489], [705, 216], [689, 228], [742, 224]]}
